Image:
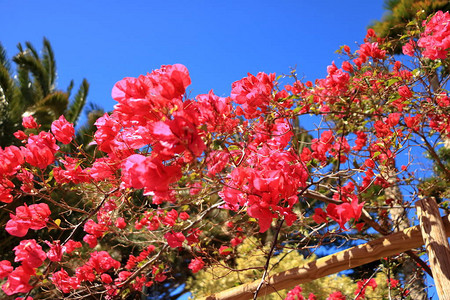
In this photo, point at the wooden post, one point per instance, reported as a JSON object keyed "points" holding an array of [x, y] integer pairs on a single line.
{"points": [[393, 244], [436, 243]]}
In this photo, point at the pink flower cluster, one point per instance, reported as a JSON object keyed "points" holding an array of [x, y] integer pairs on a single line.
{"points": [[436, 38]]}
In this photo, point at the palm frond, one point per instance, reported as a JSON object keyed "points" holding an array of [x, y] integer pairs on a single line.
{"points": [[69, 88], [35, 66], [19, 46], [6, 85], [4, 61], [74, 110], [52, 106], [31, 49], [28, 97], [48, 60], [6, 80]]}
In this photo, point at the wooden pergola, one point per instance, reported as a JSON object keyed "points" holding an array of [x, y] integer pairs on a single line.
{"points": [[432, 232]]}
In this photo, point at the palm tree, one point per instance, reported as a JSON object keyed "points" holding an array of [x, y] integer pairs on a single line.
{"points": [[32, 90]]}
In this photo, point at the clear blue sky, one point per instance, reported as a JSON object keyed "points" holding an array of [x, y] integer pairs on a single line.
{"points": [[219, 41]]}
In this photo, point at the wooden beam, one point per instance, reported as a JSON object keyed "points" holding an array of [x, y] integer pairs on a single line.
{"points": [[390, 245], [436, 243]]}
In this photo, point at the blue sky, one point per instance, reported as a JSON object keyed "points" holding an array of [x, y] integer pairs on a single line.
{"points": [[219, 41]]}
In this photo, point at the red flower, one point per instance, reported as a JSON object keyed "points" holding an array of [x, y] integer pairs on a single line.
{"points": [[408, 48], [17, 282], [413, 122], [344, 212], [346, 66], [393, 283], [90, 240], [236, 241], [196, 264], [64, 282], [34, 216], [145, 172], [295, 294], [72, 173], [174, 239], [63, 130], [5, 268], [10, 160], [101, 262], [225, 250], [107, 129], [85, 272], [372, 50], [71, 245], [171, 218], [362, 285], [193, 236], [217, 161], [254, 93], [95, 229], [435, 39], [56, 251], [29, 122], [20, 135], [176, 136], [184, 216], [336, 296], [106, 278], [393, 119], [120, 223], [5, 193], [405, 92], [29, 253], [319, 216], [40, 150]]}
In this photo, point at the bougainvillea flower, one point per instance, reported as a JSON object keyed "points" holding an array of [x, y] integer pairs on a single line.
{"points": [[5, 268], [10, 160], [30, 253], [254, 93], [40, 150], [29, 122], [71, 245], [436, 38], [34, 216], [196, 264], [17, 282], [101, 262], [63, 130], [174, 239], [56, 251], [145, 172], [64, 282]]}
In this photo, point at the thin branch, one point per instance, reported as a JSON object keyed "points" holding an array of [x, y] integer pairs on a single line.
{"points": [[266, 267]]}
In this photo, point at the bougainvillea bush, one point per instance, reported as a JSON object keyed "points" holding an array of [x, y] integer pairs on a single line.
{"points": [[176, 184]]}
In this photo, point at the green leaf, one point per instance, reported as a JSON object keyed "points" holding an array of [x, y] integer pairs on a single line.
{"points": [[392, 81]]}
